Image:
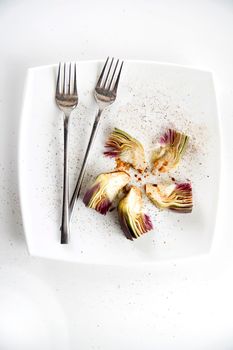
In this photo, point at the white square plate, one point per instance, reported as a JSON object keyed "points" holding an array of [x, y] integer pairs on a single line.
{"points": [[151, 97]]}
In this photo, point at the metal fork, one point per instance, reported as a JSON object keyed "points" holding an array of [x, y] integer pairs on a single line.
{"points": [[67, 100], [105, 94]]}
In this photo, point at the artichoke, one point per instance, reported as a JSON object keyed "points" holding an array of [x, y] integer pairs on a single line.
{"points": [[104, 190], [171, 148], [177, 197], [133, 221], [129, 150]]}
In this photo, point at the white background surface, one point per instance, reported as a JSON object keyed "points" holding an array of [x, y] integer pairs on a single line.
{"points": [[174, 305]]}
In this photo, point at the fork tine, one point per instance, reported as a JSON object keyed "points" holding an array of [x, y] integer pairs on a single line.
{"points": [[58, 79], [109, 69], [113, 74], [69, 79], [75, 80], [64, 79], [118, 78], [102, 73]]}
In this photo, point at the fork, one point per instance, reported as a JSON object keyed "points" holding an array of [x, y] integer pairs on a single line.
{"points": [[105, 94], [67, 100]]}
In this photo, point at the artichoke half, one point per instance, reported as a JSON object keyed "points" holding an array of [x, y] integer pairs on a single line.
{"points": [[133, 221], [104, 190], [129, 150], [170, 151], [176, 197]]}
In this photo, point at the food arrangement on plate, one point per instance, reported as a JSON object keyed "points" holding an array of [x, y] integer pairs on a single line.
{"points": [[129, 152], [160, 161]]}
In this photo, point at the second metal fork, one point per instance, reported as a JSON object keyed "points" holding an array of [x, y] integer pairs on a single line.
{"points": [[105, 94], [67, 99]]}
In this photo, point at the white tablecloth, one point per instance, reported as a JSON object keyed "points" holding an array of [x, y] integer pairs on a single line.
{"points": [[45, 304]]}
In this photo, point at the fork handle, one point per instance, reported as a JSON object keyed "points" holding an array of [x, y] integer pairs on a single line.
{"points": [[83, 168], [65, 205]]}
